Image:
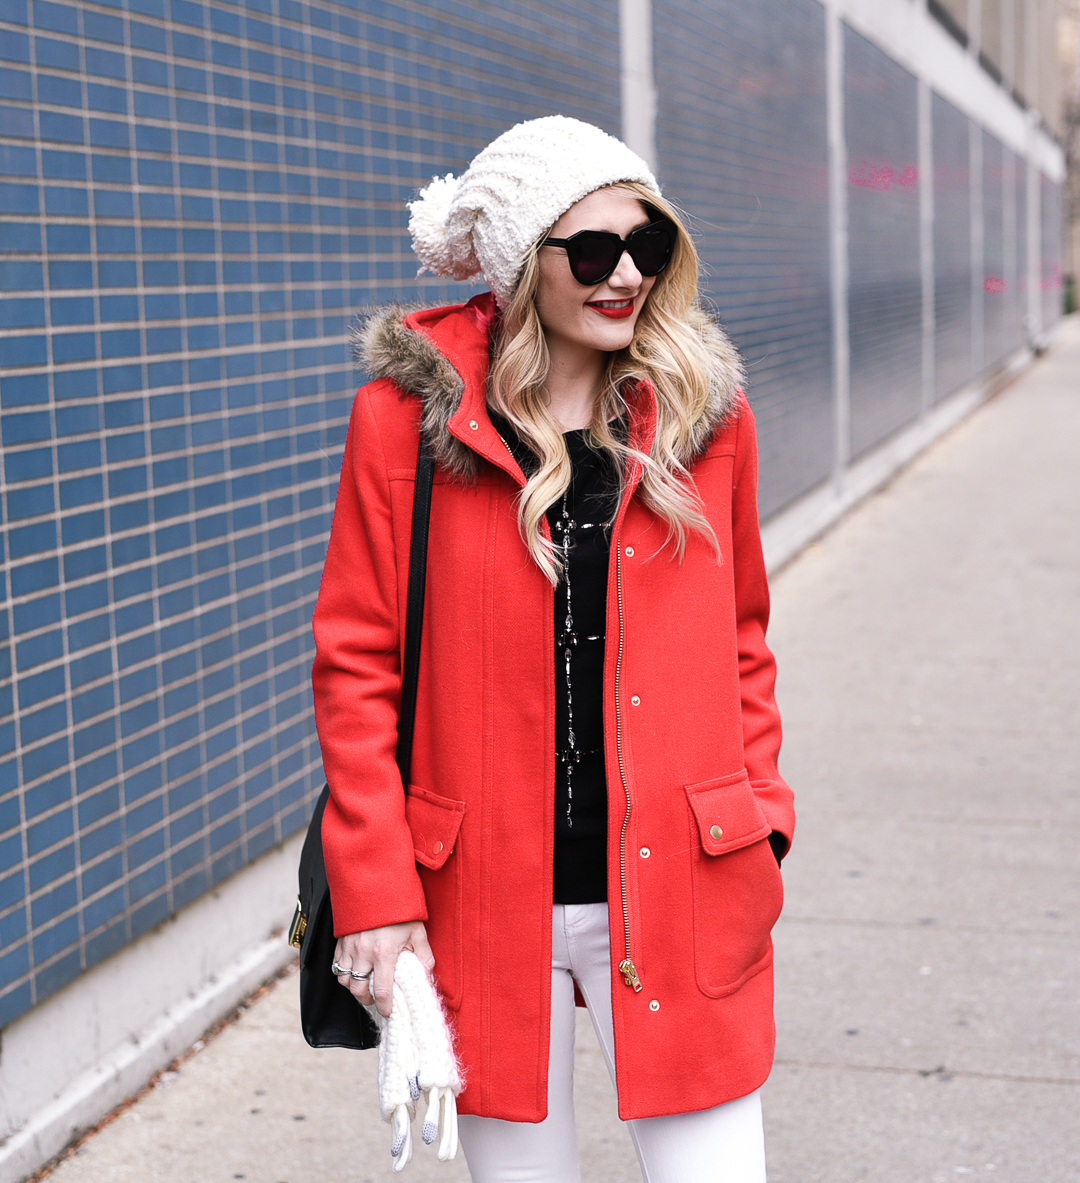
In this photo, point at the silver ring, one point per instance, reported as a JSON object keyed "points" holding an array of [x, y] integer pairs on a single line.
{"points": [[360, 977], [337, 970]]}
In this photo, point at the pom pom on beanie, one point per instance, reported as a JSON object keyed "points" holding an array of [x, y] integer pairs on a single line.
{"points": [[485, 221], [428, 225]]}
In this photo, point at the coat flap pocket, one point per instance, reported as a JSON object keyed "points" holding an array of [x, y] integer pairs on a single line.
{"points": [[434, 822], [727, 812]]}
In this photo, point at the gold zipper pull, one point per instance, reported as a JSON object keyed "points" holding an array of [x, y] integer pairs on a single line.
{"points": [[626, 968]]}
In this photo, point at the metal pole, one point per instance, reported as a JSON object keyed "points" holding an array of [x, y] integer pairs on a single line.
{"points": [[637, 80]]}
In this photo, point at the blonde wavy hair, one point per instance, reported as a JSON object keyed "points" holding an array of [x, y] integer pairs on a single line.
{"points": [[666, 350]]}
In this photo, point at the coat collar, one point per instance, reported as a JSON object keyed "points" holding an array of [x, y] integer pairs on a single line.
{"points": [[442, 356]]}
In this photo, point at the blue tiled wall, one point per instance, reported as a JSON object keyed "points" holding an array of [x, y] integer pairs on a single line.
{"points": [[195, 198]]}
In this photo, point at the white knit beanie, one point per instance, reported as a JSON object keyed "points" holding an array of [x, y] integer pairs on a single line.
{"points": [[485, 220]]}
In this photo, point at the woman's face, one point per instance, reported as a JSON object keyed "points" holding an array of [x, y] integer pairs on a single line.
{"points": [[601, 317]]}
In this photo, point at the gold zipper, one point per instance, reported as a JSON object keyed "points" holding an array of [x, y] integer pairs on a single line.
{"points": [[626, 966], [510, 452]]}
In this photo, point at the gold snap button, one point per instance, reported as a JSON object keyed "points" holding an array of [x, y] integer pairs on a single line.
{"points": [[645, 852], [437, 848], [716, 832], [636, 701], [473, 424], [629, 552], [654, 1005]]}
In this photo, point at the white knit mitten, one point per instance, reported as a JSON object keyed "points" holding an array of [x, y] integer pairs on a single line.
{"points": [[416, 1054]]}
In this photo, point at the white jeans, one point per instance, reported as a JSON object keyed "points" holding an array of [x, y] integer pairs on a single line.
{"points": [[721, 1145]]}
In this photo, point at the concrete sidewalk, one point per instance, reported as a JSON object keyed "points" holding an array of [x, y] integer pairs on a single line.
{"points": [[928, 961]]}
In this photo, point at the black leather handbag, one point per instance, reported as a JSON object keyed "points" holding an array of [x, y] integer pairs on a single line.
{"points": [[329, 1015]]}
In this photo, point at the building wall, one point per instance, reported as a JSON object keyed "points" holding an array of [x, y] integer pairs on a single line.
{"points": [[1052, 231], [741, 145], [884, 268], [953, 362], [1015, 42], [995, 342], [1012, 296], [197, 196]]}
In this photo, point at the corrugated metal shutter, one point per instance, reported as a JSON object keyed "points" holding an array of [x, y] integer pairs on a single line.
{"points": [[952, 248], [884, 294], [995, 326], [741, 140]]}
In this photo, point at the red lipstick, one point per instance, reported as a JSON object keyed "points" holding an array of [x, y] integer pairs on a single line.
{"points": [[614, 313]]}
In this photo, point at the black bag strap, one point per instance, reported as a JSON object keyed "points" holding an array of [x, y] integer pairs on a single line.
{"points": [[414, 608]]}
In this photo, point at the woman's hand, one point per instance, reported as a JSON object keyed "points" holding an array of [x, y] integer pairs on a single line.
{"points": [[375, 953]]}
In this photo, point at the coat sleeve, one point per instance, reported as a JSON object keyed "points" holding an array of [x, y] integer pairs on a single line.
{"points": [[356, 680], [757, 666]]}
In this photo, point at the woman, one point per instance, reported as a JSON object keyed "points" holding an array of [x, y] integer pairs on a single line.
{"points": [[595, 803]]}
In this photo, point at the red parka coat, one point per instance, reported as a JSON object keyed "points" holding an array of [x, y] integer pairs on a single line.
{"points": [[690, 725]]}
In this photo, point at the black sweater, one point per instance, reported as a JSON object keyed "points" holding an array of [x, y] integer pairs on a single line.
{"points": [[580, 530]]}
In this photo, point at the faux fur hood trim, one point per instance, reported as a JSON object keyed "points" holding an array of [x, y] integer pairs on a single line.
{"points": [[383, 347]]}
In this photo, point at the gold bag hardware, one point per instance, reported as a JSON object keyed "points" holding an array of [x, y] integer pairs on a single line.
{"points": [[299, 924]]}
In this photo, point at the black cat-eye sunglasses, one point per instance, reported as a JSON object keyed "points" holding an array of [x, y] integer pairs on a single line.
{"points": [[594, 254]]}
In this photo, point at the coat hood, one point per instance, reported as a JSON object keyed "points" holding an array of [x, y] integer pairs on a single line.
{"points": [[432, 352]]}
